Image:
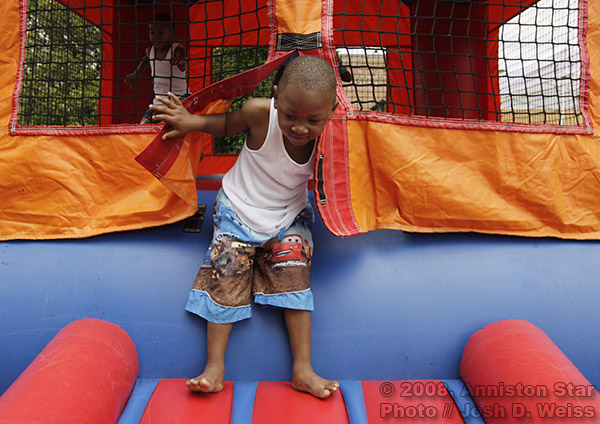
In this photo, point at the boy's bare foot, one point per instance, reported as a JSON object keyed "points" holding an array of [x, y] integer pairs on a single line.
{"points": [[306, 380], [210, 381]]}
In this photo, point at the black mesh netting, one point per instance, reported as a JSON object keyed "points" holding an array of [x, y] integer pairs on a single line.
{"points": [[444, 59]]}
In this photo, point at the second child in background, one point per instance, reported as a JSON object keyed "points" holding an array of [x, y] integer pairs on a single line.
{"points": [[167, 61]]}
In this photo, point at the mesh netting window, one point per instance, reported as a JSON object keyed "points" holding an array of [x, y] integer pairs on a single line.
{"points": [[499, 60], [81, 63], [368, 88], [62, 67], [539, 66], [495, 61]]}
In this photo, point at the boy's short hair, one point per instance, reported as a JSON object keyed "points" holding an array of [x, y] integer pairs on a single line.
{"points": [[310, 73], [163, 18]]}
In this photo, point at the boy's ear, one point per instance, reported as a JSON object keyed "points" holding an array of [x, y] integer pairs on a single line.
{"points": [[334, 108], [274, 92]]}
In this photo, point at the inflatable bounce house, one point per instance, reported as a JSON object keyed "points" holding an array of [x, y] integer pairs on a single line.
{"points": [[456, 241]]}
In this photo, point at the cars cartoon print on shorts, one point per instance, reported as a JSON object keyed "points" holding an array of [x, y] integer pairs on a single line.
{"points": [[231, 257], [293, 250]]}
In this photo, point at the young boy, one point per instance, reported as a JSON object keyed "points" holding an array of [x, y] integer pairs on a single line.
{"points": [[262, 242], [166, 60]]}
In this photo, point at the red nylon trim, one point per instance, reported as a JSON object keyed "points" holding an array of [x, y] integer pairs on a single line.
{"points": [[272, 27], [19, 83], [427, 122], [335, 208], [74, 131], [584, 86]]}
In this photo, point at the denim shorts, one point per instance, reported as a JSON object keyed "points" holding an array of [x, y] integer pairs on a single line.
{"points": [[241, 264]]}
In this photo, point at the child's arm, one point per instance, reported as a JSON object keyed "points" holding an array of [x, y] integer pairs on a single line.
{"points": [[179, 58], [132, 79], [173, 112]]}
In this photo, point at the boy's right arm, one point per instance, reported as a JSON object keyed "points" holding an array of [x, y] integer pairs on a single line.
{"points": [[132, 78], [173, 112]]}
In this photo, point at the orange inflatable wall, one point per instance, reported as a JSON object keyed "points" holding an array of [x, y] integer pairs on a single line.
{"points": [[375, 170]]}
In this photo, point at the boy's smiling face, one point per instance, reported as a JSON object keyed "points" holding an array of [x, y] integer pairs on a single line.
{"points": [[302, 114]]}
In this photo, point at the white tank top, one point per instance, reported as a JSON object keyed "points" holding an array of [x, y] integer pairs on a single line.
{"points": [[167, 77], [266, 186]]}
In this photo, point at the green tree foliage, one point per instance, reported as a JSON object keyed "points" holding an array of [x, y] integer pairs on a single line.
{"points": [[61, 78], [230, 61]]}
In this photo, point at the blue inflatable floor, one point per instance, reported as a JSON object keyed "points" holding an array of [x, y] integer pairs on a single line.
{"points": [[389, 305]]}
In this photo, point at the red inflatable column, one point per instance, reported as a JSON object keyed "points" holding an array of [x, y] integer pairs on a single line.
{"points": [[516, 374], [277, 402], [172, 402], [84, 375]]}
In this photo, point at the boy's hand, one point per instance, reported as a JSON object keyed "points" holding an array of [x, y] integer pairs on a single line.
{"points": [[175, 114], [179, 59], [131, 79], [180, 63]]}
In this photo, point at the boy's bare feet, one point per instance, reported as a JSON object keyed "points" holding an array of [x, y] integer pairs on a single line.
{"points": [[210, 381], [306, 380]]}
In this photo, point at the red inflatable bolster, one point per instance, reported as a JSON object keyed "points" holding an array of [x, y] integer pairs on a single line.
{"points": [[516, 374], [84, 375]]}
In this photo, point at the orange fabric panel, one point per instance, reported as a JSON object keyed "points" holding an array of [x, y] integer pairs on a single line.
{"points": [[80, 186], [407, 177], [435, 179], [298, 16], [439, 175], [70, 186], [67, 186]]}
